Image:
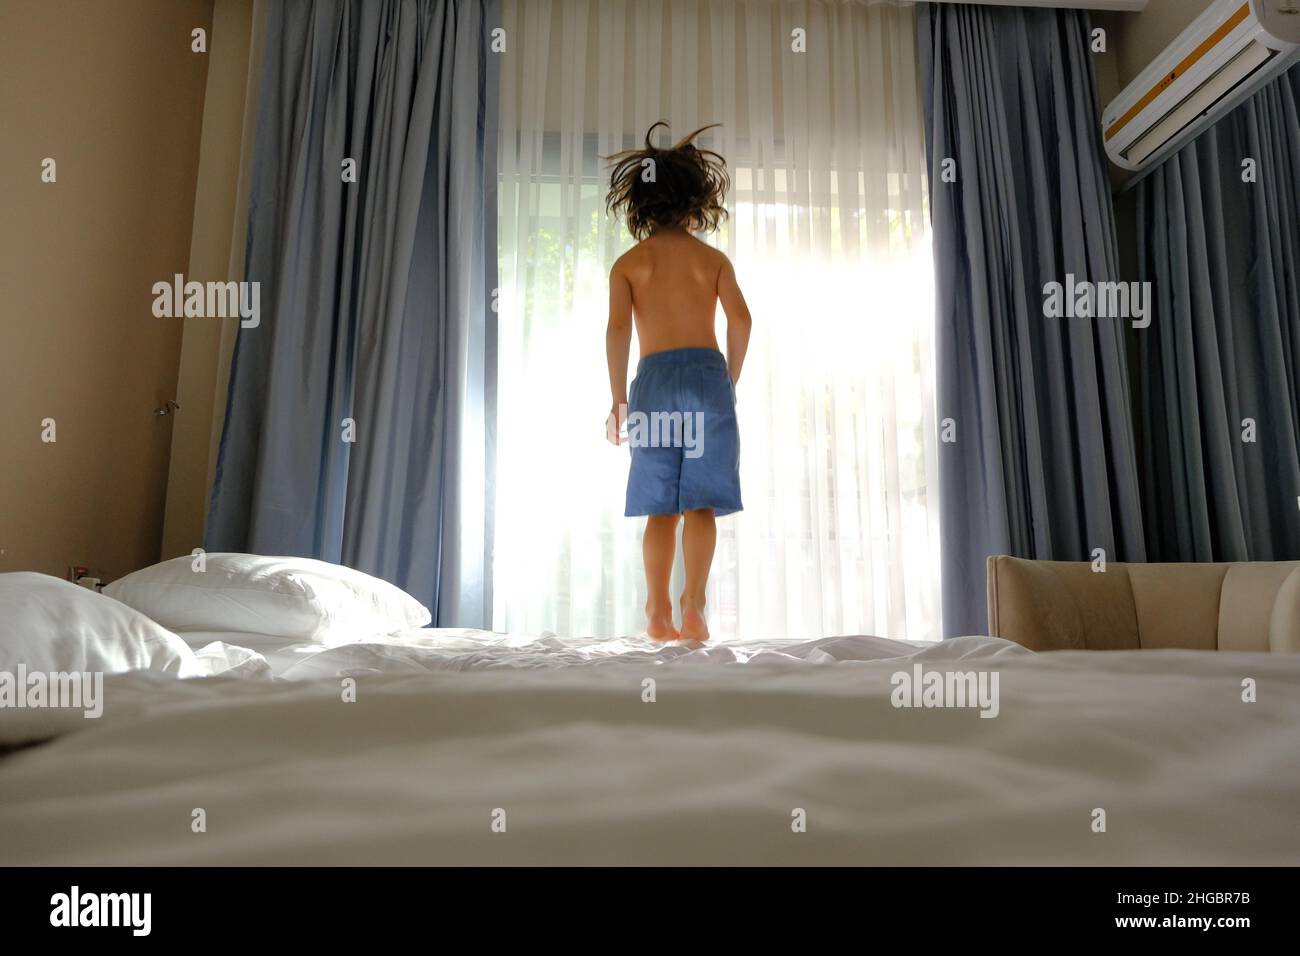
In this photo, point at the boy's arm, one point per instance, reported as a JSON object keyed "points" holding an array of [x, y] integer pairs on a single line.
{"points": [[618, 345], [738, 319]]}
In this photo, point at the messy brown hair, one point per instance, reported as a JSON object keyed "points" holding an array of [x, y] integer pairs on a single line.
{"points": [[688, 188]]}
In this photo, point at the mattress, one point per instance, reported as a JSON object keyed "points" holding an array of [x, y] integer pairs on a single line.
{"points": [[471, 748]]}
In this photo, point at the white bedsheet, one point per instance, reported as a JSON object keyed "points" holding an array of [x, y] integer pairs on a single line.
{"points": [[421, 649], [442, 736], [244, 654]]}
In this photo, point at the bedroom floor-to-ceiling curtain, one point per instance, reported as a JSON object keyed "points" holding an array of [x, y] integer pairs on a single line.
{"points": [[357, 429], [822, 128], [1219, 239], [1041, 461]]}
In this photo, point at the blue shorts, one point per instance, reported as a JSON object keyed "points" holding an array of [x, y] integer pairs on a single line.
{"points": [[681, 426]]}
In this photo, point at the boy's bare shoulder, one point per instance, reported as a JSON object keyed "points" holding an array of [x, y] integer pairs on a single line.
{"points": [[628, 261], [721, 262]]}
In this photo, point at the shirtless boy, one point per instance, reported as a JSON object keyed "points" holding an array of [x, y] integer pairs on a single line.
{"points": [[681, 409]]}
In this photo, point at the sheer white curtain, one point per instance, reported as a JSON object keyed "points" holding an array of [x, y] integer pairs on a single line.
{"points": [[829, 232]]}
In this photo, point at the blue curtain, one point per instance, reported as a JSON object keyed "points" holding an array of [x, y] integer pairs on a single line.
{"points": [[1043, 464], [359, 423], [1223, 255]]}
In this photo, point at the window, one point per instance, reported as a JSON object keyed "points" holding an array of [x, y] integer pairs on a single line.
{"points": [[829, 234]]}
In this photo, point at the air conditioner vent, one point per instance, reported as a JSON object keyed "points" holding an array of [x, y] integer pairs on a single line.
{"points": [[1201, 101], [1229, 52]]}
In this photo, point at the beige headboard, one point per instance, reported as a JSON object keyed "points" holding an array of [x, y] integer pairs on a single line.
{"points": [[1066, 605]]}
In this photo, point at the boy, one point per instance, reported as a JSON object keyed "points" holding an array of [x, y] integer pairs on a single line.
{"points": [[680, 412]]}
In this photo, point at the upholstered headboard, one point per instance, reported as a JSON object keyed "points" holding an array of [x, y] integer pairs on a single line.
{"points": [[1066, 605]]}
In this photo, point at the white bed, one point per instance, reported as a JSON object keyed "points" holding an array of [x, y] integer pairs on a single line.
{"points": [[449, 728]]}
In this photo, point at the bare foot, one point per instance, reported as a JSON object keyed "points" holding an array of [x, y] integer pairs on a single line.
{"points": [[693, 626], [659, 625]]}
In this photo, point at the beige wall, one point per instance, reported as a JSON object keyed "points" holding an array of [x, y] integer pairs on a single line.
{"points": [[1106, 65], [1134, 40], [1145, 34], [113, 93]]}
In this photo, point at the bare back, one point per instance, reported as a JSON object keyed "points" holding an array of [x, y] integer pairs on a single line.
{"points": [[674, 280], [669, 286]]}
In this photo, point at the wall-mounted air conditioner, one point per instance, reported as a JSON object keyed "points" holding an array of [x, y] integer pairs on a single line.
{"points": [[1229, 52]]}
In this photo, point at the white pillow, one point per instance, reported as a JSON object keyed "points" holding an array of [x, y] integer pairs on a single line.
{"points": [[290, 597], [49, 625]]}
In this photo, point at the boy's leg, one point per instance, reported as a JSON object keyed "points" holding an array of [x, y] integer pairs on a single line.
{"points": [[659, 548], [699, 538]]}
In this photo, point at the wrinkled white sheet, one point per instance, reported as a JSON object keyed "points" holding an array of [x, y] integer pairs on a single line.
{"points": [[420, 649], [710, 772]]}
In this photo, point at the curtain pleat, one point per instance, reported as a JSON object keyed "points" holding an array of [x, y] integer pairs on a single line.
{"points": [[1220, 364], [358, 416], [1043, 461]]}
